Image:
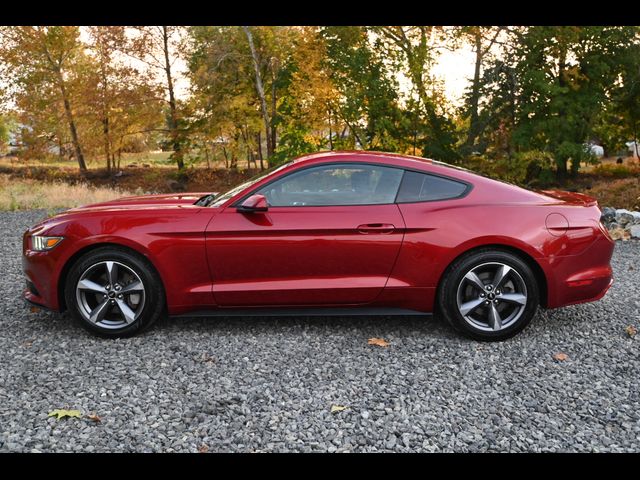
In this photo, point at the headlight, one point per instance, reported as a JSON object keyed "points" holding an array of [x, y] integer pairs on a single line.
{"points": [[40, 244]]}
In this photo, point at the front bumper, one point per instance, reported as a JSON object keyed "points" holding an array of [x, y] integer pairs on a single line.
{"points": [[41, 272]]}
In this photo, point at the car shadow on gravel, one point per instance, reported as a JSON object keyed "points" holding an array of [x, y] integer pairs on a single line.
{"points": [[433, 327], [373, 326]]}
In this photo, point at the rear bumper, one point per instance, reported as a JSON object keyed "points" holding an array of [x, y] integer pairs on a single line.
{"points": [[581, 278]]}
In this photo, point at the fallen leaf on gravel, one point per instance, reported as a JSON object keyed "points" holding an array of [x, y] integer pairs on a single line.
{"points": [[94, 418], [203, 449], [206, 358], [61, 413], [27, 344], [34, 310], [337, 408], [631, 331], [561, 357], [380, 342]]}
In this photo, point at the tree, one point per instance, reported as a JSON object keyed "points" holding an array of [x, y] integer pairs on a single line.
{"points": [[482, 40], [46, 62], [159, 47], [7, 127], [260, 89], [224, 101], [367, 94], [414, 50], [123, 98], [307, 114], [549, 87], [238, 82], [625, 105]]}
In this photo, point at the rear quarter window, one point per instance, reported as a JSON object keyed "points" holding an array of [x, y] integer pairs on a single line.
{"points": [[422, 187]]}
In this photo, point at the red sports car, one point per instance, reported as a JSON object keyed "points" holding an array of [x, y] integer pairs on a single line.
{"points": [[330, 233]]}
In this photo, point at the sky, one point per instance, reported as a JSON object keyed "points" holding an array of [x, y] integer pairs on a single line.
{"points": [[455, 69]]}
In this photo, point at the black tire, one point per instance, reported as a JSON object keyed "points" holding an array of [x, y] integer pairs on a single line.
{"points": [[153, 296], [448, 295]]}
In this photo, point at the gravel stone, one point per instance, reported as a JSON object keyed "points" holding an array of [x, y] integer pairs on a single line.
{"points": [[267, 384]]}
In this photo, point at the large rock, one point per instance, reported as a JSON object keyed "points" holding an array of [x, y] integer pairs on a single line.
{"points": [[612, 226], [634, 230], [624, 216], [608, 215], [620, 234]]}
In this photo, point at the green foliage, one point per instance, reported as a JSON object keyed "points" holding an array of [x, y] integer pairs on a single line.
{"points": [[4, 132], [293, 143], [533, 168]]}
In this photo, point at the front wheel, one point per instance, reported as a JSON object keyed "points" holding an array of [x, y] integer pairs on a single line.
{"points": [[114, 293], [489, 295]]}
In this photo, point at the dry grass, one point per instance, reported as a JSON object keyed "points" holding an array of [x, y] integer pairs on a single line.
{"points": [[618, 193], [154, 159], [26, 194]]}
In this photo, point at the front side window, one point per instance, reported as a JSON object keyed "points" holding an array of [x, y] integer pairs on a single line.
{"points": [[235, 190], [345, 184], [422, 187]]}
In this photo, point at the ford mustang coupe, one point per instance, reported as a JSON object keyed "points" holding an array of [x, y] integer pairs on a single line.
{"points": [[329, 233]]}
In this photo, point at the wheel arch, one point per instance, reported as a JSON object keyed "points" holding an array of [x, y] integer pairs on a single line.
{"points": [[541, 278], [64, 273]]}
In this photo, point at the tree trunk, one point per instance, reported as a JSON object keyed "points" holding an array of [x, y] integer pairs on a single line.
{"points": [[104, 61], [206, 155], [72, 125], [561, 171], [260, 89], [107, 141], [330, 133], [227, 164], [474, 99], [173, 113], [259, 142], [273, 106]]}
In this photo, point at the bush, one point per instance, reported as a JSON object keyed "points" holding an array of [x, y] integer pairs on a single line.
{"points": [[616, 170], [531, 168]]}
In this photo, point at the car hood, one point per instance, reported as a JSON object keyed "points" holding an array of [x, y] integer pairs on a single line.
{"points": [[143, 202], [123, 205]]}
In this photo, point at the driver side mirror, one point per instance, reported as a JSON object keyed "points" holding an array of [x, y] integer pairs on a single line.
{"points": [[255, 203]]}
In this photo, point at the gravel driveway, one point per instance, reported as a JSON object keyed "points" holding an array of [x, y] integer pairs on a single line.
{"points": [[265, 384]]}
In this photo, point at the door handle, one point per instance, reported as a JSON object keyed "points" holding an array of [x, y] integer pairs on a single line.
{"points": [[367, 228]]}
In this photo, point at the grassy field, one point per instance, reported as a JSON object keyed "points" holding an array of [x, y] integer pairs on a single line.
{"points": [[26, 187], [29, 194], [154, 159]]}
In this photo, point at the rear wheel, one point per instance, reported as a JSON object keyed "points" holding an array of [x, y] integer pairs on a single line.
{"points": [[114, 293], [489, 295]]}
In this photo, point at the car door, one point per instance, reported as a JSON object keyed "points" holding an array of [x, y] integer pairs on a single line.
{"points": [[331, 236]]}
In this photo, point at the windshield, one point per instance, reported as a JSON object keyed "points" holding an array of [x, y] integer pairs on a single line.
{"points": [[235, 190]]}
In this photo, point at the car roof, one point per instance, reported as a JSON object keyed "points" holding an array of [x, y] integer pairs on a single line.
{"points": [[364, 155], [417, 163]]}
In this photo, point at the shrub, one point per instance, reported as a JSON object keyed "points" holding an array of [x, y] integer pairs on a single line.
{"points": [[531, 168]]}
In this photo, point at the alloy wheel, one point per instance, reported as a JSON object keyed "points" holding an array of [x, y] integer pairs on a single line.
{"points": [[492, 296], [110, 295]]}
